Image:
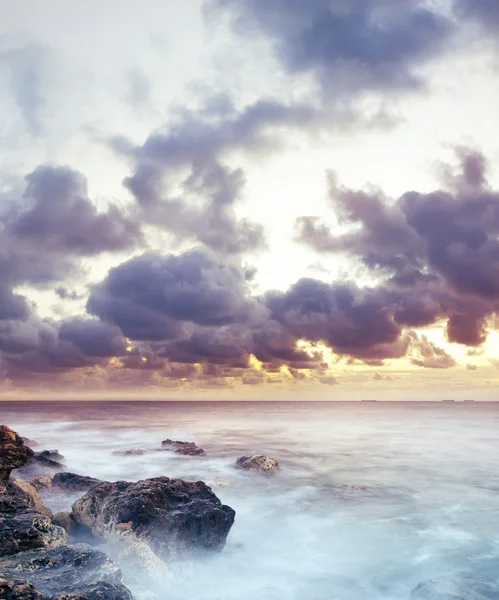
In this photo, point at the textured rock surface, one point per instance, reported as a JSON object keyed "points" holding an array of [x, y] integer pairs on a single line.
{"points": [[68, 572], [13, 452], [44, 482], [173, 516], [19, 589], [22, 527], [74, 483], [46, 462], [456, 588], [185, 448], [38, 504], [133, 452], [264, 464]]}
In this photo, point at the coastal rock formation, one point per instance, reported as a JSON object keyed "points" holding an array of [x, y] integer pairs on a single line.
{"points": [[22, 526], [38, 504], [173, 516], [44, 482], [462, 588], [46, 462], [29, 442], [19, 589], [13, 452], [185, 448], [263, 464], [133, 452], [70, 572], [71, 482]]}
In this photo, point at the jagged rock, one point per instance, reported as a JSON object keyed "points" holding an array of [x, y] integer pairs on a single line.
{"points": [[38, 504], [74, 483], [19, 589], [173, 516], [263, 464], [30, 443], [22, 527], [461, 588], [69, 572], [133, 452], [13, 452], [185, 448], [44, 482], [46, 462]]}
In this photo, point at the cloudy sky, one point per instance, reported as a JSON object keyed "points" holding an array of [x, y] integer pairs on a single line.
{"points": [[249, 199]]}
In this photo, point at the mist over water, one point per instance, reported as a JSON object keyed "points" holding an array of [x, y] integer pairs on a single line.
{"points": [[371, 499]]}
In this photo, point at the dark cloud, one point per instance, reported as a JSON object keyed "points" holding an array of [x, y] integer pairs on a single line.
{"points": [[486, 12], [425, 353], [471, 367], [437, 254], [350, 46], [182, 184], [66, 294]]}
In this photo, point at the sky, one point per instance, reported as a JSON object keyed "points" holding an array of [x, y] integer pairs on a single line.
{"points": [[249, 199]]}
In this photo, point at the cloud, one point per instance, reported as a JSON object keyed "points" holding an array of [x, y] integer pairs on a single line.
{"points": [[436, 254], [349, 46], [471, 367], [426, 354], [486, 12]]}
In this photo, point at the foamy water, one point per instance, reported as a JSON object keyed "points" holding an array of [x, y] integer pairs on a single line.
{"points": [[371, 499]]}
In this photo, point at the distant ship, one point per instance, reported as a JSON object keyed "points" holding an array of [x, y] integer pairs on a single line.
{"points": [[368, 400], [468, 401], [447, 400]]}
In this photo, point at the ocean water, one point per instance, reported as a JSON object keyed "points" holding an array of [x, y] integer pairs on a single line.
{"points": [[371, 499]]}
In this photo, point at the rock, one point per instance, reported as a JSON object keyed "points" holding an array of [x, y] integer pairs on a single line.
{"points": [[185, 448], [30, 443], [71, 482], [140, 562], [44, 482], [64, 520], [134, 452], [69, 572], [175, 517], [46, 462], [22, 527], [19, 589], [263, 464], [38, 504], [461, 588], [13, 452]]}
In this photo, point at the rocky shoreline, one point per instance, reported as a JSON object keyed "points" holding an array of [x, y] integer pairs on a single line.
{"points": [[145, 525]]}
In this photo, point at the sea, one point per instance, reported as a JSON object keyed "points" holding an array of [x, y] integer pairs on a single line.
{"points": [[371, 498]]}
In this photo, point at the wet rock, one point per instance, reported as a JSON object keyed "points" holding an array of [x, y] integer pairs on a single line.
{"points": [[30, 443], [69, 572], [13, 452], [175, 517], [64, 520], [185, 448], [22, 527], [19, 589], [42, 483], [455, 588], [263, 464], [139, 562], [71, 482], [46, 462], [133, 452], [38, 503]]}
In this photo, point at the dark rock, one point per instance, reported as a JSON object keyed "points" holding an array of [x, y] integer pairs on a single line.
{"points": [[69, 572], [46, 462], [174, 517], [263, 464], [134, 452], [38, 504], [13, 452], [455, 588], [42, 483], [74, 483], [19, 589], [64, 520], [22, 527], [185, 448]]}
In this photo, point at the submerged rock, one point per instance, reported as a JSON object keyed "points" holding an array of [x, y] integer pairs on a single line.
{"points": [[185, 448], [22, 526], [13, 452], [463, 588], [19, 589], [133, 452], [263, 464], [71, 482], [29, 442], [69, 572], [46, 462], [175, 517]]}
